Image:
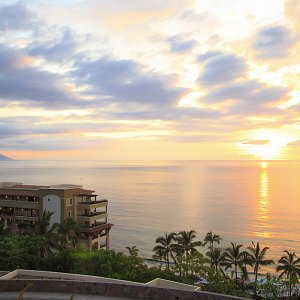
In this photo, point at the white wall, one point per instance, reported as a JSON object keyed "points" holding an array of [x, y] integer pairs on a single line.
{"points": [[52, 203]]}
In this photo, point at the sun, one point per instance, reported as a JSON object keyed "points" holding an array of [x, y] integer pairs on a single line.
{"points": [[266, 152], [272, 145]]}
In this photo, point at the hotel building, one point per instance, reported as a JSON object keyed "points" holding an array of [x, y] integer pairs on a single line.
{"points": [[21, 204]]}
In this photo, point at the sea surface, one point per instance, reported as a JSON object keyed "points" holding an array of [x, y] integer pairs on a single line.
{"points": [[242, 201]]}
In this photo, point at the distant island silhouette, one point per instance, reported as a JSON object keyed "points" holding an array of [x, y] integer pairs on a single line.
{"points": [[3, 157]]}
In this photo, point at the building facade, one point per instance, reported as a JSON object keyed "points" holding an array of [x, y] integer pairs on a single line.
{"points": [[22, 204]]}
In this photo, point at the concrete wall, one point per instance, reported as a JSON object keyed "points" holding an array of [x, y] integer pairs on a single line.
{"points": [[171, 284], [52, 203], [65, 276], [107, 289]]}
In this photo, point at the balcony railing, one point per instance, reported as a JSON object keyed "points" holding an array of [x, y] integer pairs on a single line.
{"points": [[93, 202], [24, 214], [93, 214], [6, 212], [94, 228]]}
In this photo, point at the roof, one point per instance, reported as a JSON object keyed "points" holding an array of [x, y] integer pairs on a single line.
{"points": [[80, 192], [27, 190], [19, 192], [28, 186]]}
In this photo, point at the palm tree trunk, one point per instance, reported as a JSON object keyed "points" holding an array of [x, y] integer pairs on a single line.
{"points": [[235, 270], [168, 263], [256, 274]]}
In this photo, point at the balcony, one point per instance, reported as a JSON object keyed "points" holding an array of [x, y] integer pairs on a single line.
{"points": [[28, 218], [19, 203], [93, 216], [6, 212], [23, 215], [95, 228], [92, 204]]}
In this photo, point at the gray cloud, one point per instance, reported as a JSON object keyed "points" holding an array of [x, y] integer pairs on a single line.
{"points": [[246, 91], [170, 114], [199, 138], [207, 55], [16, 17], [256, 142], [124, 81], [30, 85], [40, 143], [178, 44], [273, 42], [219, 68], [57, 50]]}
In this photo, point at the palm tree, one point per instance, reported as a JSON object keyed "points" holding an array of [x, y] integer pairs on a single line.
{"points": [[257, 258], [234, 258], [133, 251], [68, 232], [4, 230], [159, 255], [49, 234], [186, 242], [290, 266], [211, 239], [216, 256], [166, 246]]}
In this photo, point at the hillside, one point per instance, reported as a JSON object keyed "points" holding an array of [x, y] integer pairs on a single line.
{"points": [[3, 157]]}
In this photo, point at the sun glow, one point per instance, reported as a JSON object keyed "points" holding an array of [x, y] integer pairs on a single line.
{"points": [[264, 164], [267, 145], [263, 218]]}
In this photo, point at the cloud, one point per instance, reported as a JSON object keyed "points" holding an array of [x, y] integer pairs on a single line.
{"points": [[250, 90], [207, 55], [178, 44], [220, 68], [273, 42], [55, 50], [256, 142], [125, 81], [292, 11], [171, 114], [199, 138], [20, 81], [294, 143], [41, 143], [16, 17]]}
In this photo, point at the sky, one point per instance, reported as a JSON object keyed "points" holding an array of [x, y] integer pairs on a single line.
{"points": [[150, 80]]}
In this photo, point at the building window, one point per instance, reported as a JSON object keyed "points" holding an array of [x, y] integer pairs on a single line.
{"points": [[69, 202], [69, 214]]}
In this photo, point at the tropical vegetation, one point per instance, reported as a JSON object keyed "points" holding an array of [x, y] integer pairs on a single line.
{"points": [[178, 256]]}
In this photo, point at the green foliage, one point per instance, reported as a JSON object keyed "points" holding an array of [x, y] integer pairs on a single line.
{"points": [[192, 266], [34, 251], [133, 251], [4, 230], [62, 261], [272, 288], [20, 252], [218, 283]]}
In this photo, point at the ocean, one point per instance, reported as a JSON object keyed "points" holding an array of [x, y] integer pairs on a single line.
{"points": [[242, 201]]}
